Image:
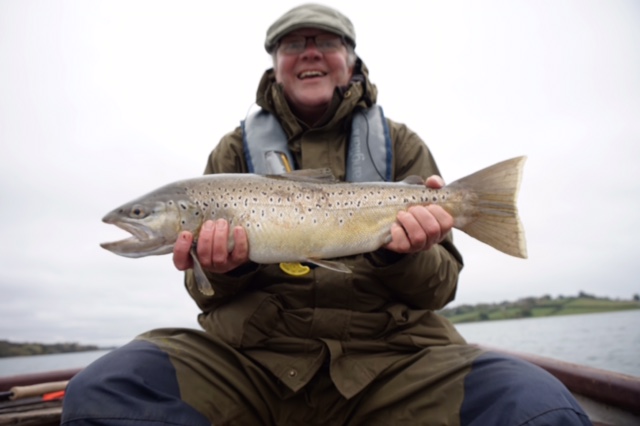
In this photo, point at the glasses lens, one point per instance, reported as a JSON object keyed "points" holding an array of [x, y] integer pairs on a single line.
{"points": [[293, 45], [328, 42]]}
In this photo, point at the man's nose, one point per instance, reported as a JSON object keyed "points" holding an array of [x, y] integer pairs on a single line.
{"points": [[310, 48]]}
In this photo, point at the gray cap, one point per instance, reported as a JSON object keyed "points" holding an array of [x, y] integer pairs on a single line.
{"points": [[310, 16]]}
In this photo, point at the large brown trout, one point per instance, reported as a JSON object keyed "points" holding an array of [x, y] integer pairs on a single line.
{"points": [[307, 216]]}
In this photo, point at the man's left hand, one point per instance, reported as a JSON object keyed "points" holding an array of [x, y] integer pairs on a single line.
{"points": [[420, 227]]}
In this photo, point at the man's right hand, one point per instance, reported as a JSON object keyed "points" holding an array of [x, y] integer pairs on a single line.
{"points": [[212, 248]]}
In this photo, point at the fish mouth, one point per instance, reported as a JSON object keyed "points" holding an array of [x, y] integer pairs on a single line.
{"points": [[142, 242]]}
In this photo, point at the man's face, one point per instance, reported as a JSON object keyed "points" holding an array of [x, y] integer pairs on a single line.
{"points": [[310, 76]]}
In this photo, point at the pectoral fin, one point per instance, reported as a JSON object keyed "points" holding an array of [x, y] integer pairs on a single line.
{"points": [[204, 285]]}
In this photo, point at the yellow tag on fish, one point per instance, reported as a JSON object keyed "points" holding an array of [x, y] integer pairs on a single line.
{"points": [[295, 269]]}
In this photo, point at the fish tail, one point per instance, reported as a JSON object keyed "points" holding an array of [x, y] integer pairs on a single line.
{"points": [[495, 220]]}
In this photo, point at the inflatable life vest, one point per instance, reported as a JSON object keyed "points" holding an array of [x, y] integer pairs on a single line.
{"points": [[369, 156]]}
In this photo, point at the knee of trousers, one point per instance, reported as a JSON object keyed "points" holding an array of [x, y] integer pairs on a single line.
{"points": [[502, 390], [135, 383]]}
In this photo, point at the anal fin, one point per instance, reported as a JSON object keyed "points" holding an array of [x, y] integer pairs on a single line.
{"points": [[331, 264]]}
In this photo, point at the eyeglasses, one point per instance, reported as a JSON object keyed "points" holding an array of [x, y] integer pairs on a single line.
{"points": [[325, 43]]}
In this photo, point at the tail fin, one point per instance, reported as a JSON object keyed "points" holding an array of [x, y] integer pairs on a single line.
{"points": [[496, 221]]}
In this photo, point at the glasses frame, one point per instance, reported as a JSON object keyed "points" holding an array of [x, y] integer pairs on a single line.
{"points": [[343, 42]]}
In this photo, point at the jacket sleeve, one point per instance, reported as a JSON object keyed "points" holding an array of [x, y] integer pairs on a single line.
{"points": [[227, 157], [428, 279]]}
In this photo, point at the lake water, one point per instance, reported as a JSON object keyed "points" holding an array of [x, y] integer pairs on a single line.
{"points": [[610, 341]]}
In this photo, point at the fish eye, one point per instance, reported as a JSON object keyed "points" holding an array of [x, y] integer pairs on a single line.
{"points": [[137, 212]]}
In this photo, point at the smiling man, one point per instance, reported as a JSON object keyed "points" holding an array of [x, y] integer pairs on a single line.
{"points": [[310, 64], [297, 344]]}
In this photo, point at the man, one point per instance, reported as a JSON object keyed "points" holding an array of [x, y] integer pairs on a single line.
{"points": [[297, 344]]}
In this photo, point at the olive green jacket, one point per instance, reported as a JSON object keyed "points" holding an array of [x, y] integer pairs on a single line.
{"points": [[361, 322]]}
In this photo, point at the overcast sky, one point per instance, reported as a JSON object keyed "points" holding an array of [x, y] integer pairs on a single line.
{"points": [[103, 101]]}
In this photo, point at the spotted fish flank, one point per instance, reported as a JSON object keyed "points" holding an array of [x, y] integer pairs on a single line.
{"points": [[305, 217]]}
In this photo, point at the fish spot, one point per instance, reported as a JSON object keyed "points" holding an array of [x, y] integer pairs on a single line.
{"points": [[183, 206]]}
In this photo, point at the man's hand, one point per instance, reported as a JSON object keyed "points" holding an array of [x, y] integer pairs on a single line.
{"points": [[212, 248], [420, 228]]}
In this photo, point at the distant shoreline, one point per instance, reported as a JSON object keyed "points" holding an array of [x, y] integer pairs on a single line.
{"points": [[532, 307], [11, 349]]}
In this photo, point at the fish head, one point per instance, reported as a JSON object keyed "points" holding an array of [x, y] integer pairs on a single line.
{"points": [[154, 222]]}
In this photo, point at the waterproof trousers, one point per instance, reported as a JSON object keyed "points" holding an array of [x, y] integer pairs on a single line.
{"points": [[187, 377]]}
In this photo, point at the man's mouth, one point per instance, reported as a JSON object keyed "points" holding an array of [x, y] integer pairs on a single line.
{"points": [[311, 74]]}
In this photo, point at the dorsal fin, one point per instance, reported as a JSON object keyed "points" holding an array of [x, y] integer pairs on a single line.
{"points": [[413, 180], [308, 175]]}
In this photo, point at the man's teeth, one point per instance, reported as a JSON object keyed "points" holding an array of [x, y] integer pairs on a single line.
{"points": [[307, 74]]}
